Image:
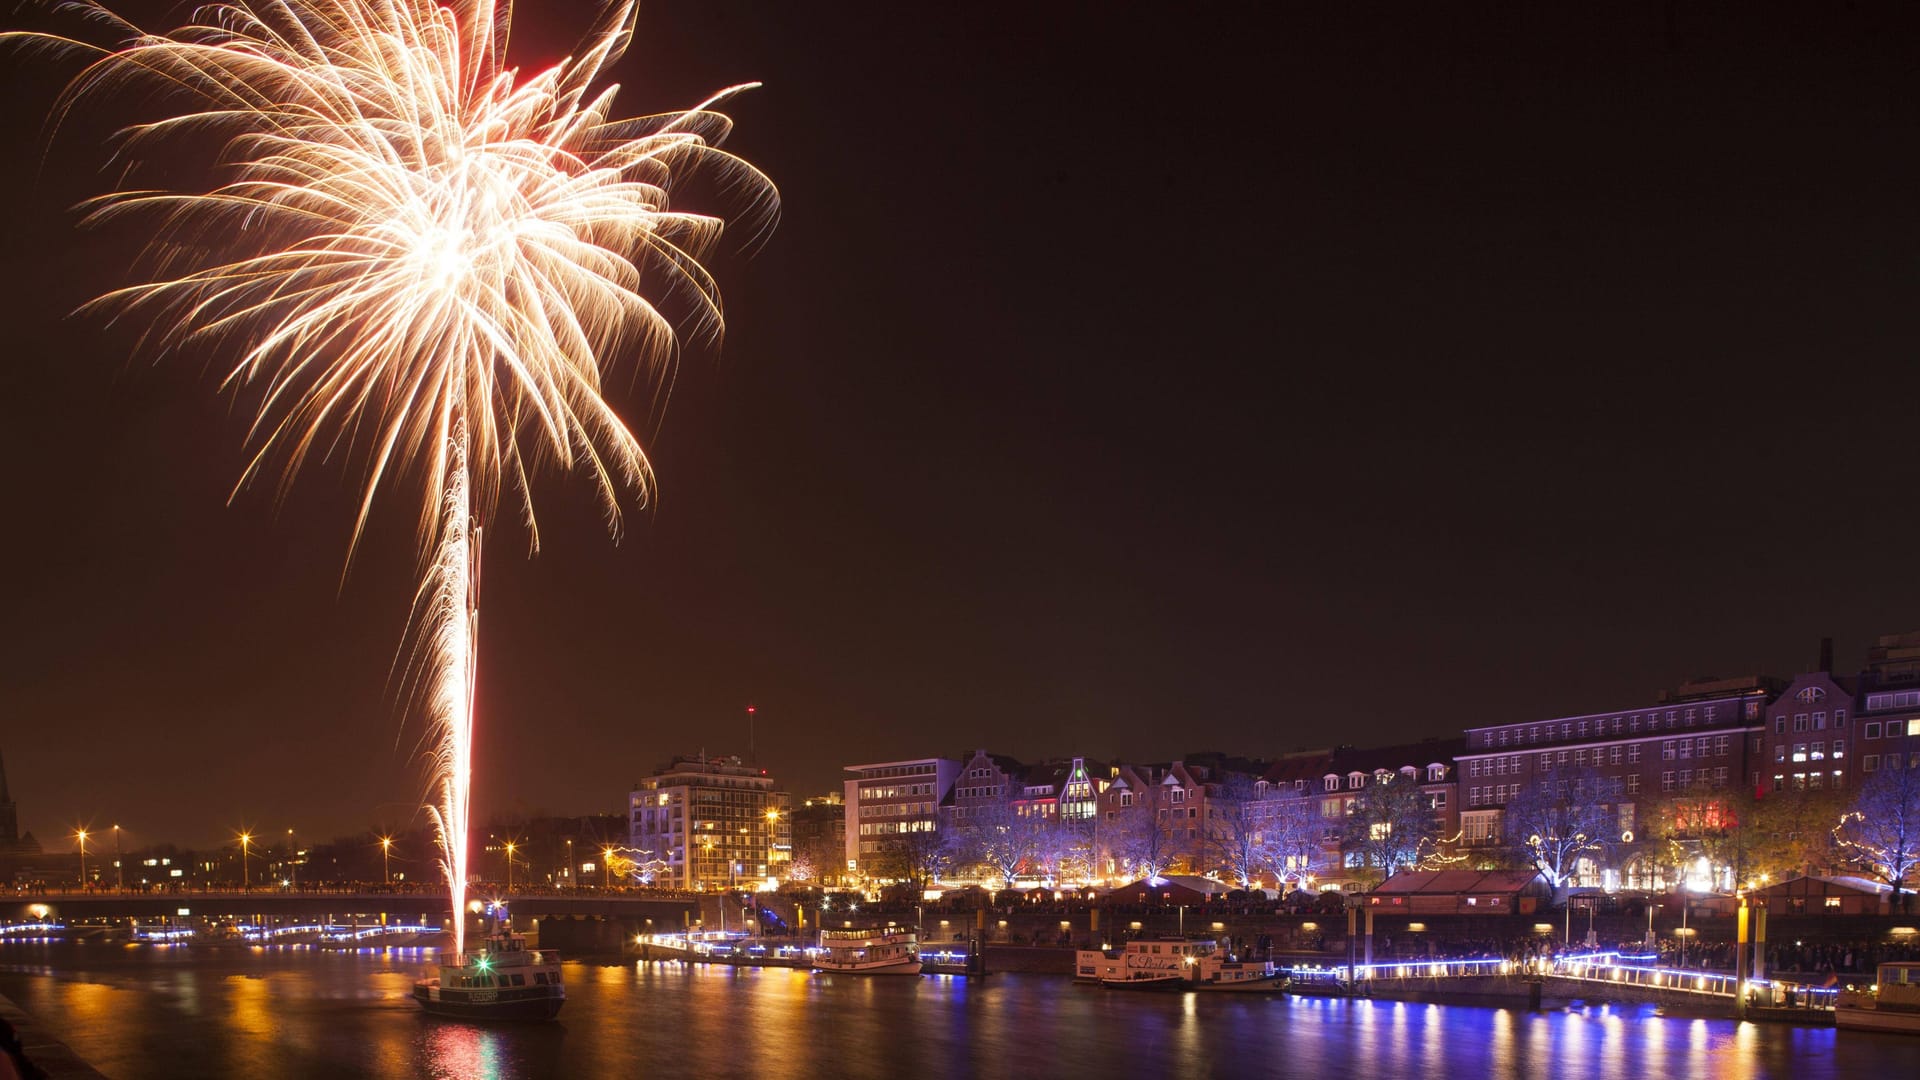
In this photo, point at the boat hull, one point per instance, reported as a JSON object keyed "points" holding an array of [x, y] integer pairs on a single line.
{"points": [[1263, 984], [516, 1004], [909, 968], [1894, 1020], [1170, 982]]}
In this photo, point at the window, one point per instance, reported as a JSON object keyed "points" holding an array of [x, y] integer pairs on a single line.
{"points": [[1833, 902], [1719, 747], [1872, 730], [1686, 777], [1839, 749], [1563, 757], [1633, 783], [1819, 750], [1870, 763], [1780, 725], [1780, 752], [1666, 750], [1613, 755], [1666, 780], [1633, 754], [1686, 749], [1800, 721], [1819, 721], [1437, 773], [1333, 783], [1799, 751], [1839, 718], [1810, 695]]}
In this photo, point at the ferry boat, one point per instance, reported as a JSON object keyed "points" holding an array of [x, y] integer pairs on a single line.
{"points": [[1175, 963], [885, 950], [1892, 1003], [505, 980]]}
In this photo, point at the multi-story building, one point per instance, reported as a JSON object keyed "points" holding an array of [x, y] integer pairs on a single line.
{"points": [[712, 822], [891, 800], [819, 836], [1706, 735], [1349, 771], [1889, 707]]}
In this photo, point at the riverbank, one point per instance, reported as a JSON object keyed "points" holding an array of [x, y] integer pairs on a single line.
{"points": [[46, 1052]]}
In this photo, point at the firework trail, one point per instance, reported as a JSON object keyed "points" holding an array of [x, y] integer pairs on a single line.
{"points": [[419, 258]]}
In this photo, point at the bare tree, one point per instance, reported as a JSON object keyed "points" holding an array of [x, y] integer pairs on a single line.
{"points": [[1556, 821], [1141, 842], [1881, 834], [1391, 825], [1294, 837], [999, 836], [1057, 844], [917, 858], [1238, 821]]}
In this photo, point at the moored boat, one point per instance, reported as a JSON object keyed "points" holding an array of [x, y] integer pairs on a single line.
{"points": [[1892, 1003], [884, 950], [505, 980], [1173, 964]]}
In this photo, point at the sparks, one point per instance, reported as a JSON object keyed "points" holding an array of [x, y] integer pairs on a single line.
{"points": [[419, 257]]}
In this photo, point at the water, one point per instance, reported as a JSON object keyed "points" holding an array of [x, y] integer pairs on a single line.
{"points": [[145, 1011]]}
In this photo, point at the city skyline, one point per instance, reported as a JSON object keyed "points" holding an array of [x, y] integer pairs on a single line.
{"points": [[1380, 389]]}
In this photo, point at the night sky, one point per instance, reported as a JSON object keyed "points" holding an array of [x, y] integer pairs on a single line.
{"points": [[1120, 380]]}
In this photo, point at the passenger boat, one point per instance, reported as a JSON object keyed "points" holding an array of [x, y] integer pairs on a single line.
{"points": [[1173, 964], [505, 980], [885, 950], [1892, 1003]]}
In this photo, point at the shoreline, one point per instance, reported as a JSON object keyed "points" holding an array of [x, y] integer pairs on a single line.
{"points": [[56, 1058]]}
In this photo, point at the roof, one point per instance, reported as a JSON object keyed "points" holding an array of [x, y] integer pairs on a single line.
{"points": [[1203, 885], [1457, 882], [1838, 881], [1394, 758]]}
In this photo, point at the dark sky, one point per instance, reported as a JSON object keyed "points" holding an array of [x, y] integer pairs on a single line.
{"points": [[1121, 380]]}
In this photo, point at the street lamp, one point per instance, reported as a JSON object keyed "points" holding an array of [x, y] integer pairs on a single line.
{"points": [[246, 839], [510, 846], [386, 851], [606, 867], [569, 862], [293, 871], [119, 872], [82, 834]]}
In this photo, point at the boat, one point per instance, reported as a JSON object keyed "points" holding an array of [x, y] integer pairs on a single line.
{"points": [[1892, 1003], [1174, 963], [505, 980], [882, 950]]}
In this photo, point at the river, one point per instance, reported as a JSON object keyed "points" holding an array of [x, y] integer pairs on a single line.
{"points": [[138, 1012]]}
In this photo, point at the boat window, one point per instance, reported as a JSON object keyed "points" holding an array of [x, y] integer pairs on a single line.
{"points": [[539, 978], [519, 980]]}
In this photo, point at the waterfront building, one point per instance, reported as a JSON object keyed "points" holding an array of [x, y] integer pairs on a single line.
{"points": [[710, 822], [1154, 819], [819, 838], [1349, 771], [894, 805], [1703, 737], [1889, 706]]}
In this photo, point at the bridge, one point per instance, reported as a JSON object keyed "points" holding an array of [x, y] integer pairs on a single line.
{"points": [[640, 908], [1575, 976]]}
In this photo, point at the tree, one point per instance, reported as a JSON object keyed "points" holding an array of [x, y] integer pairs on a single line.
{"points": [[1141, 842], [998, 835], [1792, 831], [1057, 845], [1390, 825], [1881, 834], [637, 865], [917, 858], [1238, 823], [1703, 822], [1551, 824], [1294, 837]]}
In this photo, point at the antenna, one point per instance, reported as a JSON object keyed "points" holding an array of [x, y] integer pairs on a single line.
{"points": [[751, 759]]}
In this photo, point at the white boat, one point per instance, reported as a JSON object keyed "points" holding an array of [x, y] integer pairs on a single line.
{"points": [[505, 980], [881, 950], [1174, 963], [1892, 1003]]}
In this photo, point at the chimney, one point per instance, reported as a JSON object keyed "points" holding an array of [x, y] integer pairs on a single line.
{"points": [[1826, 654]]}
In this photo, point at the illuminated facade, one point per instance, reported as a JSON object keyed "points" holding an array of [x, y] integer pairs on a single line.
{"points": [[714, 823], [891, 801]]}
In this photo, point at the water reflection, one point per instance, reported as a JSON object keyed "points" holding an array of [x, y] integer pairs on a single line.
{"points": [[288, 1015]]}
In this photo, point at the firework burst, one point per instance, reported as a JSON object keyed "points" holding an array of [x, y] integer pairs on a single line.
{"points": [[419, 257]]}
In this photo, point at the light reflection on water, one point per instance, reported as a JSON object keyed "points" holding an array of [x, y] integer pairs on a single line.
{"points": [[288, 1014]]}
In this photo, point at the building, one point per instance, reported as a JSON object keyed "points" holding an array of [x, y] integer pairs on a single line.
{"points": [[819, 838], [708, 823], [11, 842], [1889, 705], [1351, 770], [1705, 736], [889, 803]]}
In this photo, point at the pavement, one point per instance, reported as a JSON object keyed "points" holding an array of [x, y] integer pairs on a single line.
{"points": [[43, 1050]]}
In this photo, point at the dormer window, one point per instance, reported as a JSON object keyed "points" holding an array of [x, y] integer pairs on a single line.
{"points": [[1437, 773], [1355, 780], [1333, 782]]}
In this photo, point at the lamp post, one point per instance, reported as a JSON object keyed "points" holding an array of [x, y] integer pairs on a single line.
{"points": [[386, 850], [82, 834], [293, 868], [606, 868], [119, 872], [510, 846], [246, 840], [569, 862]]}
